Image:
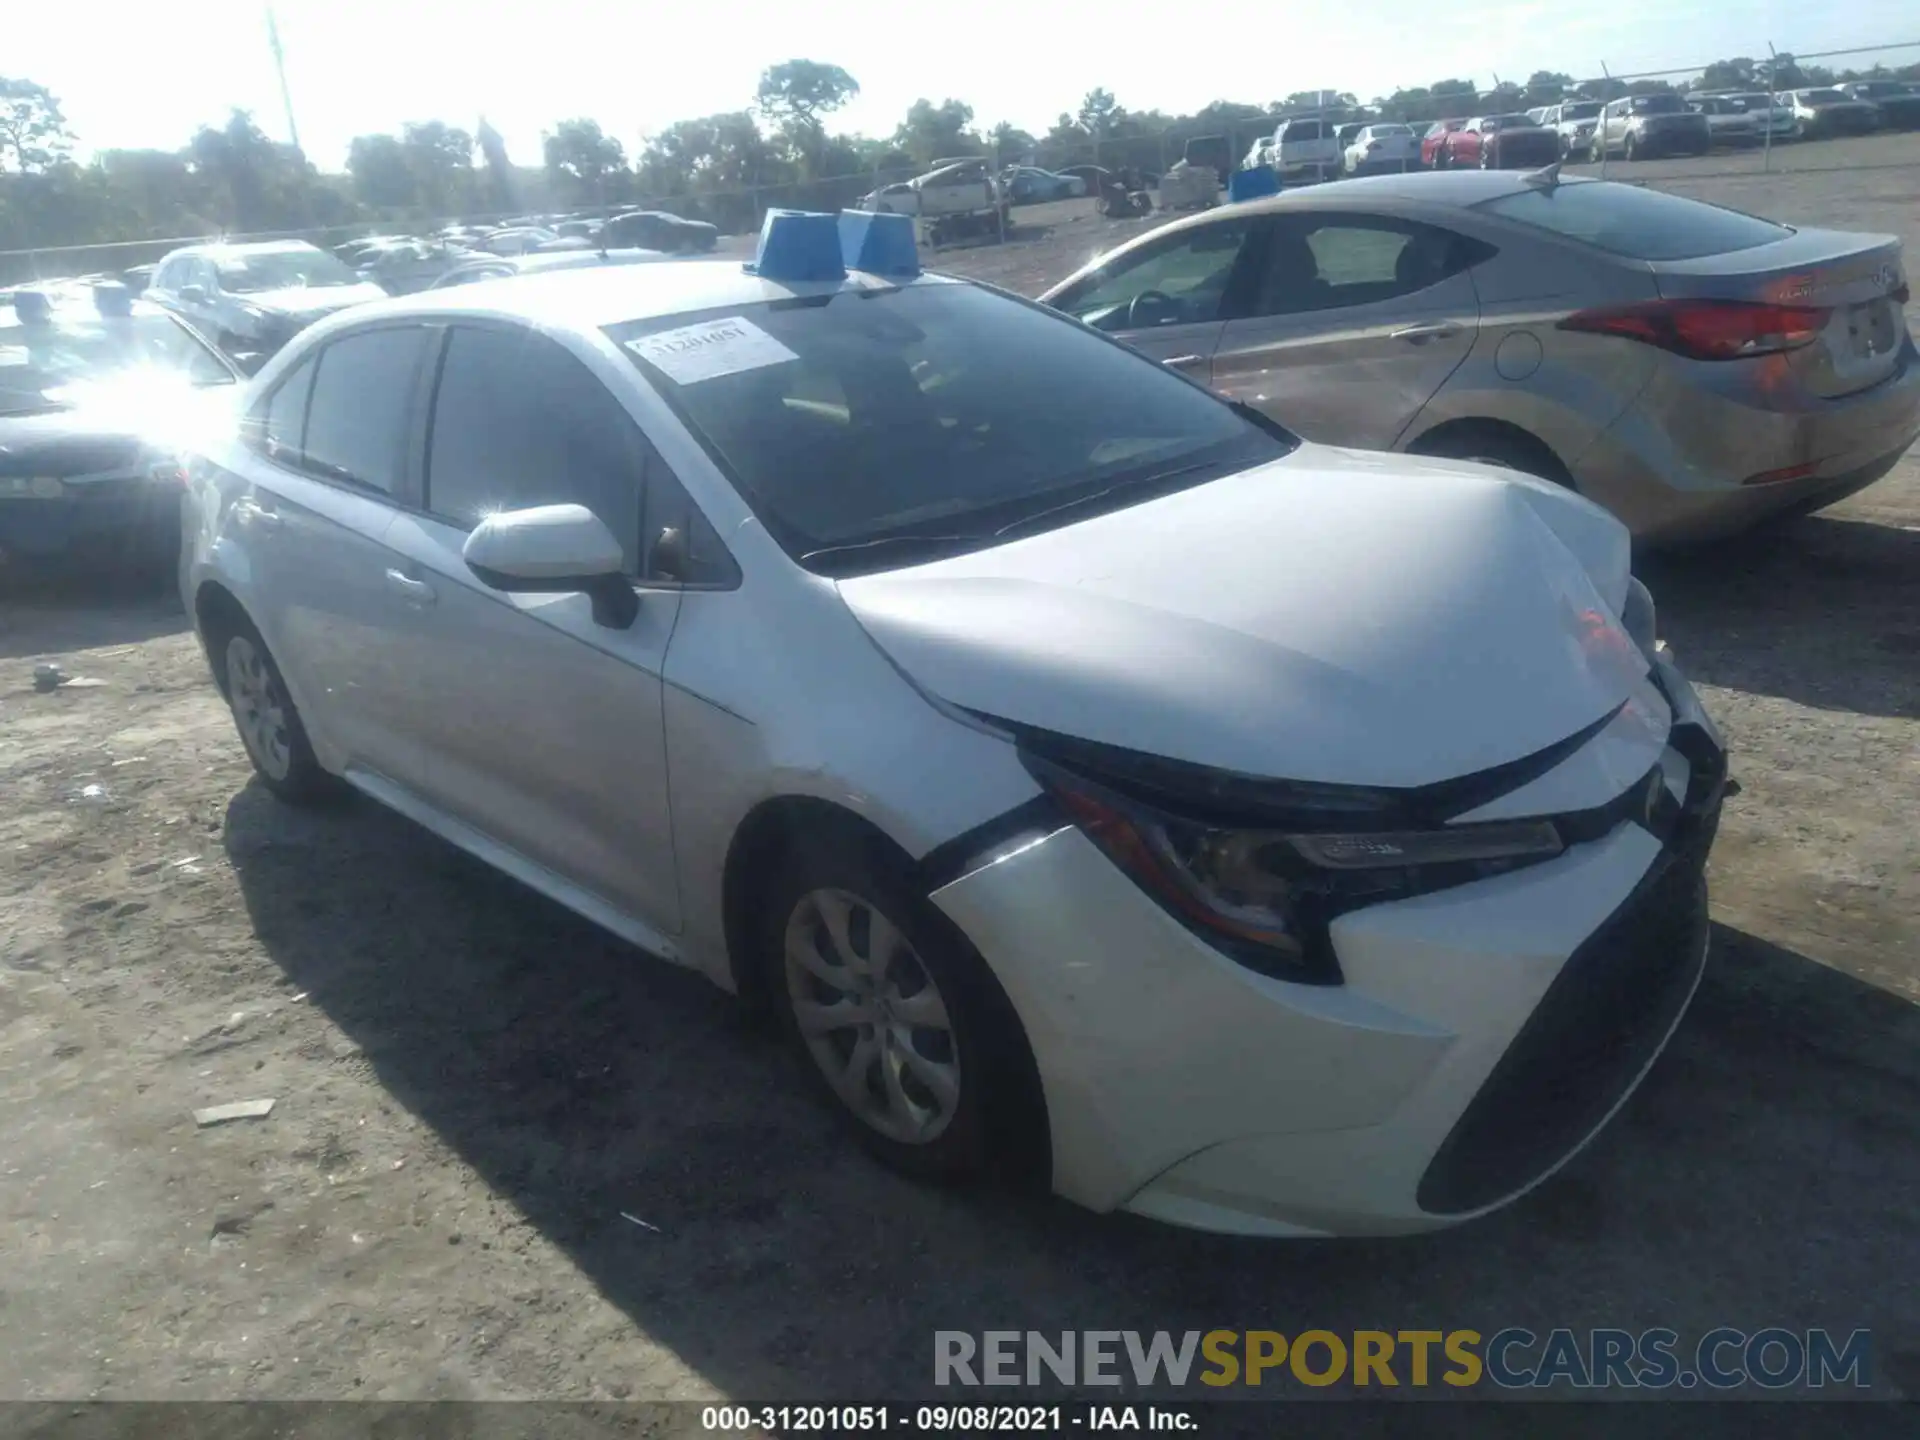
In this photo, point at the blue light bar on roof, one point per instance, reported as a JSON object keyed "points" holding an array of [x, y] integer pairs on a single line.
{"points": [[31, 305], [1252, 184], [798, 245], [880, 244]]}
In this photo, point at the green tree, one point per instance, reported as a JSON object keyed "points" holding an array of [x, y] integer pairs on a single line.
{"points": [[381, 175], [33, 132], [254, 183], [1010, 142], [1734, 74], [795, 94], [933, 132], [440, 158], [1099, 113], [1545, 87], [583, 162]]}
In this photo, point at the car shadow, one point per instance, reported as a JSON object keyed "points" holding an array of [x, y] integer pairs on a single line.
{"points": [[1763, 1175], [43, 614], [1822, 611]]}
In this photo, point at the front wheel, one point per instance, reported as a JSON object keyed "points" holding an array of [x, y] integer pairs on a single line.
{"points": [[893, 1014]]}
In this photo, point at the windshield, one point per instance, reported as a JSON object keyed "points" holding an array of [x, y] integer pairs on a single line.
{"points": [[57, 363], [873, 429], [1659, 105], [1628, 220], [282, 270], [1822, 97], [1389, 130], [1587, 110]]}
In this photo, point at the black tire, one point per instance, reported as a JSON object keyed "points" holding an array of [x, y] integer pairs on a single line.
{"points": [[982, 1042], [1496, 445], [290, 770]]}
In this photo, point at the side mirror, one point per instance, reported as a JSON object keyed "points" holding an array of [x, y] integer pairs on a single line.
{"points": [[554, 550], [194, 294]]}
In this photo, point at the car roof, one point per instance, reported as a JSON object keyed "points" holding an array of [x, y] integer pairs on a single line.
{"points": [[593, 296], [215, 249]]}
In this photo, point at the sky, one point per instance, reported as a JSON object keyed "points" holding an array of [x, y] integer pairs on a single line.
{"points": [[364, 66]]}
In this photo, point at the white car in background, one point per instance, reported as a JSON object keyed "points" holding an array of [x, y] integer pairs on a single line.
{"points": [[1573, 122], [1252, 835], [1305, 149], [1729, 121], [1382, 147], [1770, 114]]}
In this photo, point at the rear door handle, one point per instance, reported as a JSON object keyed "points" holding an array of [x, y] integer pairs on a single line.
{"points": [[414, 592], [1420, 334], [1180, 362]]}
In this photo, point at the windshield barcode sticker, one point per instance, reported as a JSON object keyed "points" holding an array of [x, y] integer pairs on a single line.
{"points": [[706, 352]]}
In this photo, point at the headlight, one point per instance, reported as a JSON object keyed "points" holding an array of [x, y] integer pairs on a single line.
{"points": [[1266, 897]]}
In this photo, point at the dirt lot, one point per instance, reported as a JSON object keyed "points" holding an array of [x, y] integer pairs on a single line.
{"points": [[475, 1088]]}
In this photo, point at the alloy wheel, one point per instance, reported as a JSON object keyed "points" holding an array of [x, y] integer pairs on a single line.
{"points": [[871, 1016], [259, 707]]}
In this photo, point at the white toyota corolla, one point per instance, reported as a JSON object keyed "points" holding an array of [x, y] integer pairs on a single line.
{"points": [[1255, 835]]}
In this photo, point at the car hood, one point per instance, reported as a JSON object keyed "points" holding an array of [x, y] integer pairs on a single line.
{"points": [[307, 301], [1336, 616]]}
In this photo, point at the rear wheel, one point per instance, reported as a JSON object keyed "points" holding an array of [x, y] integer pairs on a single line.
{"points": [[269, 724]]}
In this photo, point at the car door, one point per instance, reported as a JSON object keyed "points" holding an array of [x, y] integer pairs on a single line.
{"points": [[1353, 323], [546, 727], [329, 457], [1170, 298]]}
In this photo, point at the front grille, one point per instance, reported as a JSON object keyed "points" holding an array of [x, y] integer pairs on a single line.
{"points": [[1600, 1022]]}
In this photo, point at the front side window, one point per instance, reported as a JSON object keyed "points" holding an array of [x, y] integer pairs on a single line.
{"points": [[518, 422], [870, 429], [362, 399], [1182, 280]]}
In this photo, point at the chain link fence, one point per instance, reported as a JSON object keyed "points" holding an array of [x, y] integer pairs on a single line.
{"points": [[738, 210]]}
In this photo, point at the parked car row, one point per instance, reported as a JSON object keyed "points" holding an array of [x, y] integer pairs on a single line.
{"points": [[653, 573]]}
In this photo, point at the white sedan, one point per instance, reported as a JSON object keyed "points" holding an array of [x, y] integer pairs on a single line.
{"points": [[1259, 836], [1380, 148]]}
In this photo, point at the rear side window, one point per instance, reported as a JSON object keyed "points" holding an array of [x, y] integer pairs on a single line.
{"points": [[357, 416], [1337, 261], [279, 426], [1634, 222]]}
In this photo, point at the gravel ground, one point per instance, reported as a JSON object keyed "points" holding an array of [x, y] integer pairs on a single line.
{"points": [[474, 1089]]}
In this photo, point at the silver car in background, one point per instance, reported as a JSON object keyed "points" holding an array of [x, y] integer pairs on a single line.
{"points": [[1693, 369]]}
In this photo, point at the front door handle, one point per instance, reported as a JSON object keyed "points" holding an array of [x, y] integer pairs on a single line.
{"points": [[414, 592], [1420, 334]]}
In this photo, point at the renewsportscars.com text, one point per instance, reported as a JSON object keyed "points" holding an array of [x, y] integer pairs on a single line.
{"points": [[1772, 1358]]}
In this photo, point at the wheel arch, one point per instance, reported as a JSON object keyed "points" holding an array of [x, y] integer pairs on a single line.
{"points": [[217, 616], [772, 830], [1450, 437]]}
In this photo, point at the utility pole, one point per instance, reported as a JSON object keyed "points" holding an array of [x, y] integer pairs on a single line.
{"points": [[280, 69]]}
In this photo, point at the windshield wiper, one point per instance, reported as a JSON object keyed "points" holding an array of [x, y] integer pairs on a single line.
{"points": [[1138, 482]]}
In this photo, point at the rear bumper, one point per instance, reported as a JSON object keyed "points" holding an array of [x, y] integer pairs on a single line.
{"points": [[1483, 1034], [1672, 466]]}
